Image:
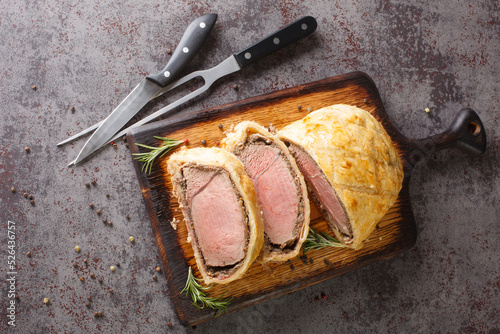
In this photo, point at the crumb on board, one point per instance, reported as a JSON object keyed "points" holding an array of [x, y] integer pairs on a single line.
{"points": [[174, 222]]}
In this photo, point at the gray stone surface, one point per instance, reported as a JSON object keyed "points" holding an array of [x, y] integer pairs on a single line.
{"points": [[443, 55]]}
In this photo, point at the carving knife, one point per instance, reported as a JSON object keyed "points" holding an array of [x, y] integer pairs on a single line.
{"points": [[150, 86], [233, 63]]}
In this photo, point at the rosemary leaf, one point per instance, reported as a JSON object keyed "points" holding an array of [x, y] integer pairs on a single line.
{"points": [[155, 152], [199, 297], [317, 240]]}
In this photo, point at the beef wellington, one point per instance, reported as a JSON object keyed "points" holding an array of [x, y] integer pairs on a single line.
{"points": [[220, 209], [350, 165]]}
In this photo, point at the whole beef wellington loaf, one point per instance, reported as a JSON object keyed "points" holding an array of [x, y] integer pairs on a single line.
{"points": [[281, 190], [220, 209], [350, 165]]}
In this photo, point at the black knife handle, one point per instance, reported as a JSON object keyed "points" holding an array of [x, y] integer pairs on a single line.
{"points": [[277, 40], [194, 36]]}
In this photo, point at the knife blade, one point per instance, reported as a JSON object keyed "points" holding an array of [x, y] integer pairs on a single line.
{"points": [[148, 88], [233, 63]]}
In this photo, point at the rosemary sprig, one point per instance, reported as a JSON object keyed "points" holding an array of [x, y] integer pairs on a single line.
{"points": [[200, 298], [149, 157], [317, 240]]}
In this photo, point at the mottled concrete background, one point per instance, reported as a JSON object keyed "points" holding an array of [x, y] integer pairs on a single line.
{"points": [[443, 55]]}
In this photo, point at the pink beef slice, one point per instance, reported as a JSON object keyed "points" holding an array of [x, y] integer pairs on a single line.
{"points": [[217, 216], [321, 188], [275, 188]]}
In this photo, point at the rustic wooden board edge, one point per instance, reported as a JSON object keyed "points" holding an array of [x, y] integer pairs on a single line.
{"points": [[166, 256], [172, 255]]}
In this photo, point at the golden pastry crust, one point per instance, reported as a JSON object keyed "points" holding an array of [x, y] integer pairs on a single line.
{"points": [[359, 160], [215, 157], [236, 139]]}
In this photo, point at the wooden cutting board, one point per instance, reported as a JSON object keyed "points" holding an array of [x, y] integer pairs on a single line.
{"points": [[395, 233]]}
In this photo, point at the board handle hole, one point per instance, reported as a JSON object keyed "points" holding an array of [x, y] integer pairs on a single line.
{"points": [[474, 128]]}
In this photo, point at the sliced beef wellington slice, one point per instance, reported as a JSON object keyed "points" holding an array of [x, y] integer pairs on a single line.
{"points": [[220, 209], [281, 189], [350, 165]]}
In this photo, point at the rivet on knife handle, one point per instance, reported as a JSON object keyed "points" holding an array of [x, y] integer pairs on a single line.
{"points": [[278, 40], [194, 36]]}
